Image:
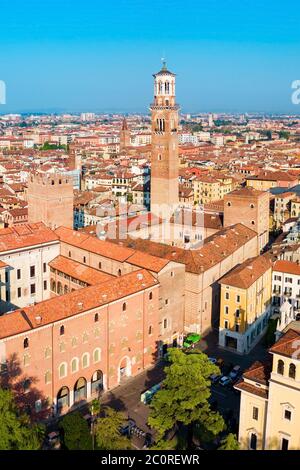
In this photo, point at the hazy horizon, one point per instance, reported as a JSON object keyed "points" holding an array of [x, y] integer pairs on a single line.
{"points": [[89, 56]]}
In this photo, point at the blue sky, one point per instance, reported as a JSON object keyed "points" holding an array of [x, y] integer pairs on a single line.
{"points": [[99, 55]]}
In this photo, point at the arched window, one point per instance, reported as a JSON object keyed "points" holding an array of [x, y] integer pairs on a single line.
{"points": [[26, 343], [124, 306], [74, 365], [85, 360], [63, 398], [48, 377], [280, 367], [167, 88], [66, 289], [62, 370], [119, 272], [53, 285], [62, 330], [97, 355], [96, 317], [228, 204], [292, 371], [59, 288]]}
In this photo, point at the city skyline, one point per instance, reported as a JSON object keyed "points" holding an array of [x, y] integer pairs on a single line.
{"points": [[95, 58]]}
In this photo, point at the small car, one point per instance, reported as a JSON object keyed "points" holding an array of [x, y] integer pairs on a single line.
{"points": [[213, 360], [235, 372], [215, 378], [125, 430], [225, 381], [220, 362]]}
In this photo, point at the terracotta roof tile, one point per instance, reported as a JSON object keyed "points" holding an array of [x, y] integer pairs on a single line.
{"points": [[68, 305], [79, 271]]}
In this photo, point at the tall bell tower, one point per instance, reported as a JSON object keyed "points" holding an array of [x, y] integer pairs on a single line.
{"points": [[164, 156]]}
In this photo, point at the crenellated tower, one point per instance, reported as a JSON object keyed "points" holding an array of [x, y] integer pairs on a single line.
{"points": [[164, 157]]}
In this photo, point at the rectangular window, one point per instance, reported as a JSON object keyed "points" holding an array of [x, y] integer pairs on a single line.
{"points": [[255, 413], [32, 271], [277, 278], [238, 298], [32, 288], [227, 296], [226, 309], [44, 267], [287, 415], [237, 313], [226, 324], [6, 276], [19, 292], [289, 279], [45, 285], [237, 328], [18, 273]]}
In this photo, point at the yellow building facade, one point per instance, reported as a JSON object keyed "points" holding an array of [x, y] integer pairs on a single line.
{"points": [[246, 294]]}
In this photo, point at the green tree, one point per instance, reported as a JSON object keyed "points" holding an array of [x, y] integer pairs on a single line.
{"points": [[76, 433], [229, 442], [183, 399], [107, 432], [16, 431], [284, 135]]}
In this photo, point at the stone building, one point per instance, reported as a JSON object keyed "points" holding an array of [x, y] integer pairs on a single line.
{"points": [[50, 200], [164, 157], [250, 207]]}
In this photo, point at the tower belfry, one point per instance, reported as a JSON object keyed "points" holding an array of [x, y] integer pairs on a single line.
{"points": [[164, 155]]}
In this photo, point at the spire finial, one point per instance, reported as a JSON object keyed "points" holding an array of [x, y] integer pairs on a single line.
{"points": [[164, 63]]}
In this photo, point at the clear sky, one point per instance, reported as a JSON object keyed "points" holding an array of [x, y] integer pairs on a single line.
{"points": [[94, 55]]}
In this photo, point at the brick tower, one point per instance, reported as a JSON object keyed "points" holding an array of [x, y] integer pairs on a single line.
{"points": [[50, 200], [124, 136], [164, 157]]}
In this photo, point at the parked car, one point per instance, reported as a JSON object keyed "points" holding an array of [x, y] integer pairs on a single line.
{"points": [[235, 372], [126, 428], [225, 381], [215, 378], [220, 362], [213, 360], [191, 339]]}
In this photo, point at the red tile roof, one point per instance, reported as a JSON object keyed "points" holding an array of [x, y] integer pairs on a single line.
{"points": [[79, 271], [288, 345], [25, 235], [288, 267], [69, 305]]}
